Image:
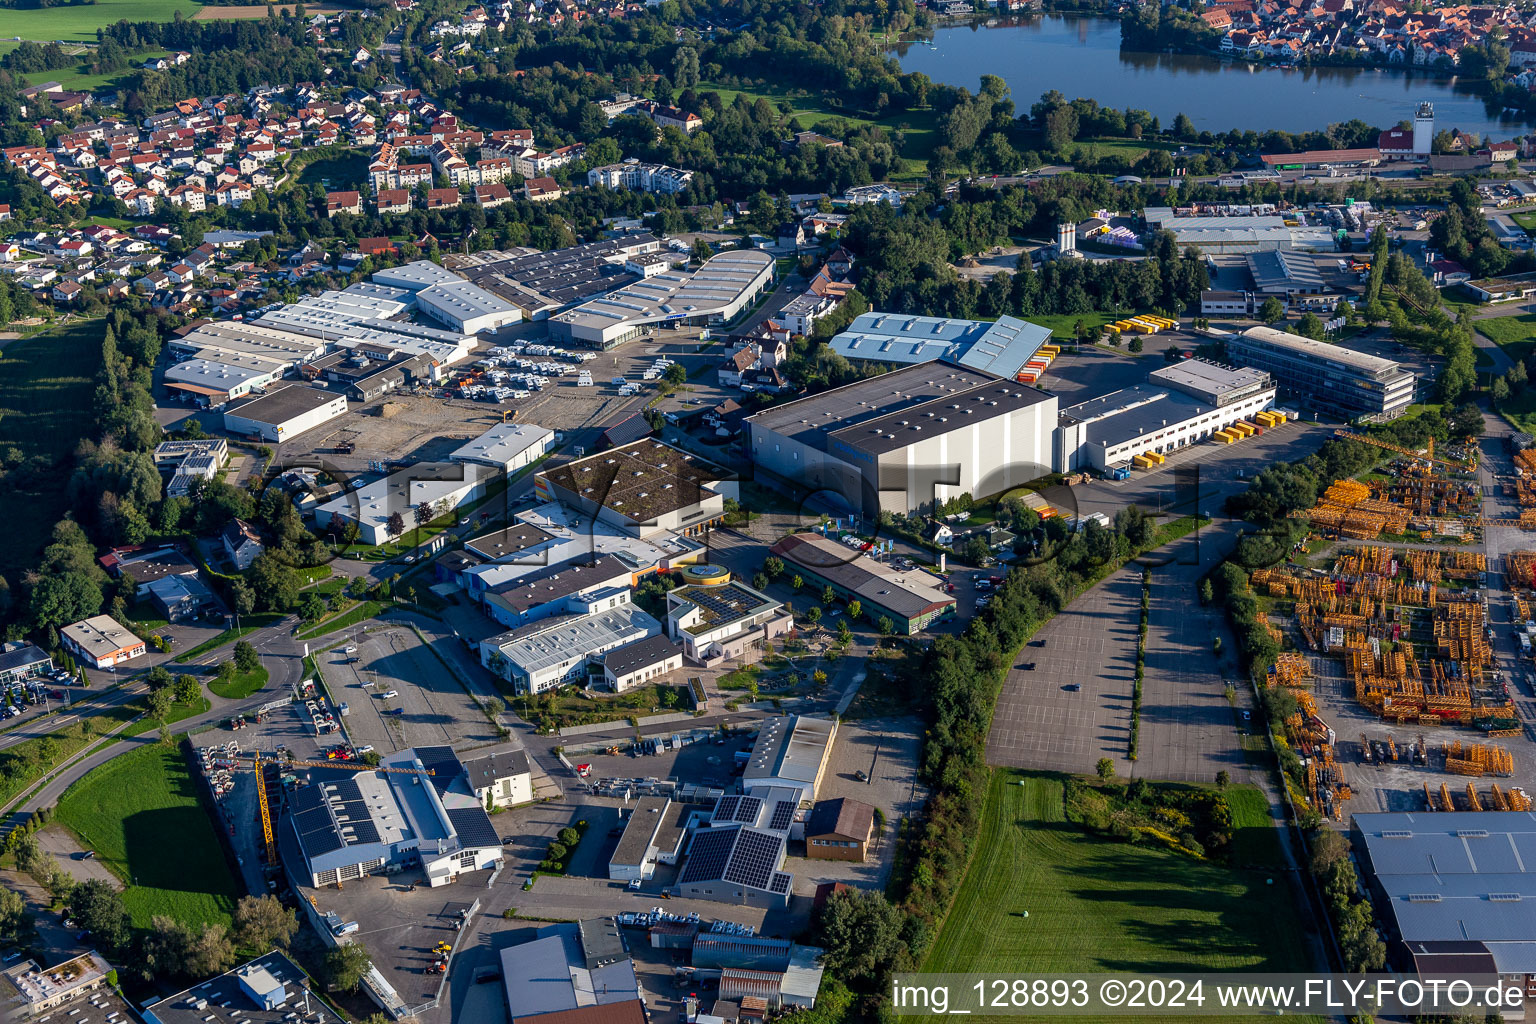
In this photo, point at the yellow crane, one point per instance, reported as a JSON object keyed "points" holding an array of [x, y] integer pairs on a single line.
{"points": [[254, 763], [1428, 454]]}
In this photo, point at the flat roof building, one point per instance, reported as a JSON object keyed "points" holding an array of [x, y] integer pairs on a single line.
{"points": [[214, 381], [791, 752], [541, 283], [726, 284], [270, 989], [1000, 348], [1180, 405], [101, 641], [911, 599], [553, 651], [38, 989], [21, 660], [1329, 377], [653, 834], [371, 506], [1465, 877], [507, 447], [719, 621], [285, 413], [550, 976], [466, 308], [907, 439], [1239, 234], [580, 586], [642, 488], [349, 824]]}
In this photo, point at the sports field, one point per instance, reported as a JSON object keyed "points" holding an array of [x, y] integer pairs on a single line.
{"points": [[78, 24], [45, 388], [141, 814], [1096, 904]]}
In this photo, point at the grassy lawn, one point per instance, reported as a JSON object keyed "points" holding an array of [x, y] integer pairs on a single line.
{"points": [[918, 127], [178, 713], [1062, 324], [241, 686], [1098, 904], [344, 171], [126, 809], [79, 24], [1255, 843], [45, 381], [26, 762], [1525, 220], [248, 624], [1516, 335], [358, 612]]}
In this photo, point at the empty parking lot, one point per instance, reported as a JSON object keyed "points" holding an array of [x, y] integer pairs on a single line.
{"points": [[427, 706]]}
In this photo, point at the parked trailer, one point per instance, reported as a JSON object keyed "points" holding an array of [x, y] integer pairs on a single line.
{"points": [[1141, 462]]}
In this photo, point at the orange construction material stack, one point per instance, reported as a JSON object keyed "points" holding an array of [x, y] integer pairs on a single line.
{"points": [[1521, 568], [1497, 798], [1477, 759], [1473, 803], [1518, 801]]}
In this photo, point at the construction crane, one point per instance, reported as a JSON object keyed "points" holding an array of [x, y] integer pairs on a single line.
{"points": [[1428, 455], [252, 762]]}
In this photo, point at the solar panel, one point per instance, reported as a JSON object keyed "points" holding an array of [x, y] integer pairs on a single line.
{"points": [[783, 814], [748, 810], [708, 855], [473, 826], [780, 883], [725, 808], [756, 857]]}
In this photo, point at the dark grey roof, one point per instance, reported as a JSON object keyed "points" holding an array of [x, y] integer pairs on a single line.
{"points": [[743, 856], [517, 537], [639, 831], [225, 992], [483, 772], [559, 580], [283, 405], [642, 653], [939, 416], [631, 428], [473, 826], [443, 763], [319, 832], [842, 817], [21, 656], [906, 390]]}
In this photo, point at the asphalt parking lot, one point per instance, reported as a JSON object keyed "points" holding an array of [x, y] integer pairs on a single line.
{"points": [[429, 706], [400, 928], [1041, 725]]}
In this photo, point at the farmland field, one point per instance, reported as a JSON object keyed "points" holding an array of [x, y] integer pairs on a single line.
{"points": [[78, 24], [45, 384], [1043, 895], [126, 809], [247, 12]]}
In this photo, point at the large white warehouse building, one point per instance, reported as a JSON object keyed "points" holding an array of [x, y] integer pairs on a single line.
{"points": [[900, 441]]}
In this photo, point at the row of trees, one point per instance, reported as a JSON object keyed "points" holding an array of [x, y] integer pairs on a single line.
{"points": [[957, 678]]}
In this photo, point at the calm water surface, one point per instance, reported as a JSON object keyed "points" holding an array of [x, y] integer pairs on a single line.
{"points": [[1081, 56]]}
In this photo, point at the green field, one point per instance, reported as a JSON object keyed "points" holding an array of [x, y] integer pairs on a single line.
{"points": [[128, 811], [45, 394], [80, 77], [1097, 904], [242, 686], [1516, 335], [78, 24]]}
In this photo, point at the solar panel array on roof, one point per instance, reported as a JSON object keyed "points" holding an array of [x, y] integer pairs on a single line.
{"points": [[783, 814], [708, 856], [350, 810], [756, 856], [473, 826], [748, 809], [312, 819], [443, 763], [780, 883], [725, 808]]}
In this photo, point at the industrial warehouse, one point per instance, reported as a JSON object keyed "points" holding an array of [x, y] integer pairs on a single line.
{"points": [[543, 283], [1180, 405], [912, 600], [902, 440], [726, 284], [1001, 348], [284, 413]]}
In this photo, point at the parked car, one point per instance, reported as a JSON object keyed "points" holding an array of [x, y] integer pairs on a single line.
{"points": [[390, 694]]}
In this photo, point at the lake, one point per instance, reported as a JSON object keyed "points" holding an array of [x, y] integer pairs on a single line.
{"points": [[1081, 56]]}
